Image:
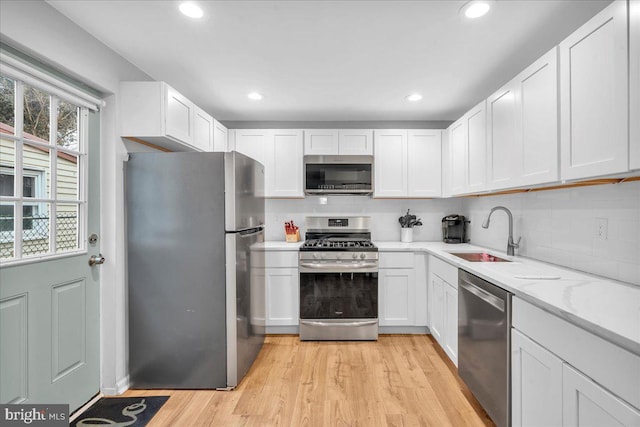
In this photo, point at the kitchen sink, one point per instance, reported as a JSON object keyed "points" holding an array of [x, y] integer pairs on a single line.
{"points": [[478, 257]]}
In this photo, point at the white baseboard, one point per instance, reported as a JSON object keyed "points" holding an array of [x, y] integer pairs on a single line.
{"points": [[122, 385]]}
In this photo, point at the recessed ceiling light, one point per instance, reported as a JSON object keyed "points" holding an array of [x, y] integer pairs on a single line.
{"points": [[476, 8], [255, 96], [191, 10], [414, 97]]}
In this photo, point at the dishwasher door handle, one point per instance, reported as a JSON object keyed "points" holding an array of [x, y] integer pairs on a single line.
{"points": [[482, 294]]}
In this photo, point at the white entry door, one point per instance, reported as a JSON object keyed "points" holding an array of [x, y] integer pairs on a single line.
{"points": [[49, 295]]}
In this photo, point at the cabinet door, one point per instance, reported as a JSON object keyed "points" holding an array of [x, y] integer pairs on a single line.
{"points": [[285, 178], [282, 296], [451, 322], [536, 384], [436, 308], [476, 127], [634, 82], [503, 151], [594, 91], [220, 134], [355, 142], [203, 130], [396, 297], [320, 141], [253, 143], [390, 148], [458, 157], [424, 163], [585, 403], [537, 101], [179, 115]]}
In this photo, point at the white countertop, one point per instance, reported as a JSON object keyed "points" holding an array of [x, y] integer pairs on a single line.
{"points": [[605, 307]]}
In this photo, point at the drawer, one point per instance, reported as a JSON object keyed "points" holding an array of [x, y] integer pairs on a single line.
{"points": [[613, 367], [396, 259], [444, 270], [284, 259]]}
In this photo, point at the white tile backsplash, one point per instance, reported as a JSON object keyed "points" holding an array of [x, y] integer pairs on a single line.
{"points": [[384, 214], [559, 226]]}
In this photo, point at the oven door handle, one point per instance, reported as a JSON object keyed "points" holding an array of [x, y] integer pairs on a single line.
{"points": [[329, 324], [317, 267]]}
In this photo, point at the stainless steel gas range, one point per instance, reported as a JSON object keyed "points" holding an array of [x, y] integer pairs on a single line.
{"points": [[338, 267]]}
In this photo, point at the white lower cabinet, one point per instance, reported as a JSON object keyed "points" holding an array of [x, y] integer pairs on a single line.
{"points": [[585, 403], [282, 290], [536, 384], [450, 340], [443, 305], [402, 290], [396, 297], [562, 375]]}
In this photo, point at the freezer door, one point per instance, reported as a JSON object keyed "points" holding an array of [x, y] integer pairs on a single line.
{"points": [[176, 270], [246, 301], [244, 192]]}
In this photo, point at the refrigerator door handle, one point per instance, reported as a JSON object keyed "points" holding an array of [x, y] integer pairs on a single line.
{"points": [[251, 232]]}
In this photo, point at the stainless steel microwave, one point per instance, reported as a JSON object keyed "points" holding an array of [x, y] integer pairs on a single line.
{"points": [[338, 174]]}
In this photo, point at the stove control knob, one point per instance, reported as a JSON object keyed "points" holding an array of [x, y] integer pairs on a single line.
{"points": [[362, 256], [354, 256], [316, 256]]}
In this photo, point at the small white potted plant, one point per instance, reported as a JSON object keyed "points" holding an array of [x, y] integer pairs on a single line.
{"points": [[407, 222]]}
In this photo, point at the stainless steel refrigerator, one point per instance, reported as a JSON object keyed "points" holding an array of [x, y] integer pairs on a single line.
{"points": [[196, 290]]}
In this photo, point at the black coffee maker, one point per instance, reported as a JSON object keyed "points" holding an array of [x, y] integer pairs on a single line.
{"points": [[454, 229]]}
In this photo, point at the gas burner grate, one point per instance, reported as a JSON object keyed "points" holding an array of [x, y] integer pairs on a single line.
{"points": [[338, 244]]}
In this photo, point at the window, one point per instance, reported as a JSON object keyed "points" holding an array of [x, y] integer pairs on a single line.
{"points": [[42, 175]]}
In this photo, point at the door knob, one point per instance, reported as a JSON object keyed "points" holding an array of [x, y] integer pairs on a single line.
{"points": [[96, 259]]}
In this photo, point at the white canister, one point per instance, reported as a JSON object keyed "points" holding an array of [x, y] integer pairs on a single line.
{"points": [[406, 235]]}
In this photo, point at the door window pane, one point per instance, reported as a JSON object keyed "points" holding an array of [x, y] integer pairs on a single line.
{"points": [[67, 227], [67, 132], [67, 177], [36, 171], [36, 114], [35, 228], [7, 105], [6, 230]]}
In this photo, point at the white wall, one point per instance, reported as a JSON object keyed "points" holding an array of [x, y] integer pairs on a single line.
{"points": [[559, 226], [37, 29], [384, 214]]}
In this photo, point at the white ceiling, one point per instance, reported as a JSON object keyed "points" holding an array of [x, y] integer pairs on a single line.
{"points": [[331, 60]]}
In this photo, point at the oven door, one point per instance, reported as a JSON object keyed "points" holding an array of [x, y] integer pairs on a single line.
{"points": [[339, 302]]}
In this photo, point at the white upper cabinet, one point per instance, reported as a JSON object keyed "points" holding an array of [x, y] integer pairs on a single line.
{"points": [[320, 142], [503, 149], [537, 113], [390, 154], [284, 178], [408, 163], [253, 143], [334, 142], [457, 158], [424, 163], [594, 96], [220, 137], [155, 112], [476, 151], [280, 151], [634, 82], [202, 130], [179, 117]]}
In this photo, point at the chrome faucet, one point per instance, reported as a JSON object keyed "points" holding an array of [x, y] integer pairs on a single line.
{"points": [[511, 246]]}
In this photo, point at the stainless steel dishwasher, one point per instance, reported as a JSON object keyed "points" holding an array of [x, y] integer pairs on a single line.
{"points": [[484, 344]]}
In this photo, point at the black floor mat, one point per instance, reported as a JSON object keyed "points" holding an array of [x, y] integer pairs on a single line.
{"points": [[123, 411]]}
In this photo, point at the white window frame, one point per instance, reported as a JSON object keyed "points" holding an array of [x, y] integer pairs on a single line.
{"points": [[18, 200], [40, 193]]}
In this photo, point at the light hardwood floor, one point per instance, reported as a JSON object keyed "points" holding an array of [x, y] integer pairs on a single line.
{"points": [[400, 380]]}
